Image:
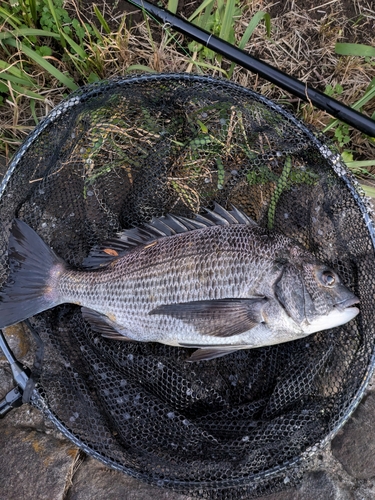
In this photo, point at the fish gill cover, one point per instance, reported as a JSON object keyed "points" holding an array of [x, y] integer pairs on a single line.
{"points": [[120, 152]]}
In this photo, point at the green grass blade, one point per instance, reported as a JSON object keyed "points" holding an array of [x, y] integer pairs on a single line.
{"points": [[15, 71], [101, 19], [255, 20], [360, 167], [57, 22], [77, 48], [33, 10], [27, 32], [201, 64], [205, 17], [364, 163], [280, 186], [369, 191], [4, 75], [206, 3], [361, 102], [354, 49], [367, 96], [27, 92], [227, 20], [54, 15], [33, 111], [63, 79], [97, 33], [10, 18], [172, 6], [140, 67]]}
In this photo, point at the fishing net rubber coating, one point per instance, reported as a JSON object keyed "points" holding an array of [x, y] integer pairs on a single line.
{"points": [[117, 153]]}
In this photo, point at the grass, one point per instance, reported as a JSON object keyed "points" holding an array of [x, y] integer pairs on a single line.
{"points": [[48, 48], [220, 18]]}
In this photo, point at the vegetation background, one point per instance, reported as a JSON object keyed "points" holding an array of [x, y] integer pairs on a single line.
{"points": [[50, 47]]}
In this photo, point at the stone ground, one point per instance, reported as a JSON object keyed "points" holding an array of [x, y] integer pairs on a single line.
{"points": [[38, 463]]}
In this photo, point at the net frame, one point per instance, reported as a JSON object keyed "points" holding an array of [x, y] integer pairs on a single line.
{"points": [[277, 474]]}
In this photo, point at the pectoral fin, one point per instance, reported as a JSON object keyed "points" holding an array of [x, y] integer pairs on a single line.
{"points": [[105, 326], [219, 318]]}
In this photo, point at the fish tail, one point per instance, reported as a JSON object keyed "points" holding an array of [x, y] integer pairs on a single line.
{"points": [[34, 274]]}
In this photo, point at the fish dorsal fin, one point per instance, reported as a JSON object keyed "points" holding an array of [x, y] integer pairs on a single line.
{"points": [[221, 217], [160, 227]]}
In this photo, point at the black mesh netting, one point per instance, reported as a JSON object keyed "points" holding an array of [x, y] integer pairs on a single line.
{"points": [[111, 157]]}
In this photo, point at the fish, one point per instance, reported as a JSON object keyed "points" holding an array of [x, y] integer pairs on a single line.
{"points": [[216, 283]]}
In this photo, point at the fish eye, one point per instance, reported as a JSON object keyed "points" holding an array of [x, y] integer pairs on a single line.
{"points": [[328, 278]]}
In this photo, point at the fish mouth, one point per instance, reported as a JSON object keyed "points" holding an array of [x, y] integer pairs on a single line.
{"points": [[344, 304]]}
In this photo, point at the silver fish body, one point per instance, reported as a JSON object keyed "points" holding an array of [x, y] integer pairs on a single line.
{"points": [[219, 285]]}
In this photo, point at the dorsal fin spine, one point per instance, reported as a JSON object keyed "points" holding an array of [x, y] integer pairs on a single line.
{"points": [[161, 227]]}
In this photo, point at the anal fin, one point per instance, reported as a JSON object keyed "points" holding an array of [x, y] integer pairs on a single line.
{"points": [[206, 354], [106, 327]]}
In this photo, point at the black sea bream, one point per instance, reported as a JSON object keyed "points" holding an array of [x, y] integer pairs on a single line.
{"points": [[218, 283]]}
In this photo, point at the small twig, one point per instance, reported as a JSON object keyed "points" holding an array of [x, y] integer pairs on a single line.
{"points": [[323, 5]]}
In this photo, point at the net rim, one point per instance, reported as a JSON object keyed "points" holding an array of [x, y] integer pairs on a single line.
{"points": [[38, 401], [84, 94]]}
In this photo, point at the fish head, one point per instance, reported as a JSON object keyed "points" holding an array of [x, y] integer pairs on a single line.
{"points": [[314, 296]]}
